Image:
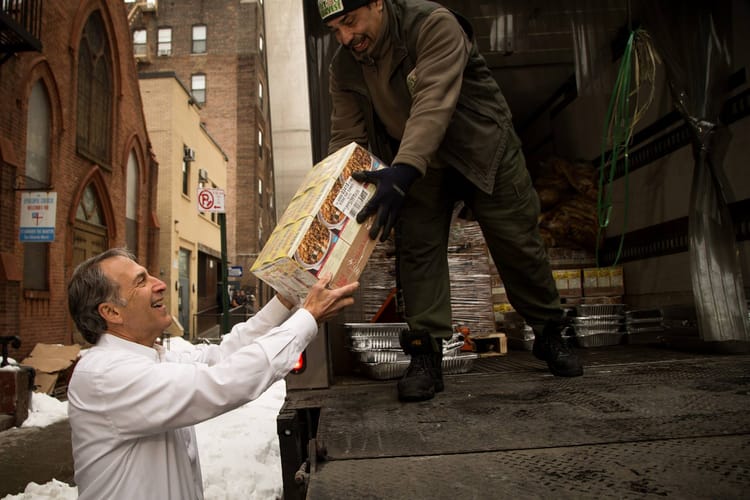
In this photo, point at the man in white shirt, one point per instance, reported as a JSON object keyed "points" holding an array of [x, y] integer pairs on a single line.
{"points": [[133, 405]]}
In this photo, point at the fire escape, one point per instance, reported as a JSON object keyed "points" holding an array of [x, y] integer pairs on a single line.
{"points": [[20, 27]]}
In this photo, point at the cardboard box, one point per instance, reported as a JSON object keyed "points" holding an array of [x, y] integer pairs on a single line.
{"points": [[318, 232], [499, 295], [49, 361], [489, 345], [603, 282], [569, 258], [568, 282]]}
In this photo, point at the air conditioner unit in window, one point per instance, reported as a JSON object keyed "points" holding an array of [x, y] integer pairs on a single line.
{"points": [[189, 154], [202, 174]]}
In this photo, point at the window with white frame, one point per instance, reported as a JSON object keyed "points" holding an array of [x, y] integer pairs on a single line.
{"points": [[164, 39], [198, 87], [199, 39], [140, 47], [260, 143]]}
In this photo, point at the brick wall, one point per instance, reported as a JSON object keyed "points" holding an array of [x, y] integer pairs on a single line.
{"points": [[42, 316]]}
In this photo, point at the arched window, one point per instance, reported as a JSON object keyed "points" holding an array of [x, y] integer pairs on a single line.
{"points": [[89, 209], [38, 123], [90, 233], [131, 209], [94, 113]]}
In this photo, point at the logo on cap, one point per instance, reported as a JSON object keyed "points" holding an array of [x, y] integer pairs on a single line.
{"points": [[330, 7]]}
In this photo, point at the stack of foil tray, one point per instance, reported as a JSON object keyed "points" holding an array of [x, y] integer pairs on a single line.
{"points": [[377, 349], [644, 321], [599, 325]]}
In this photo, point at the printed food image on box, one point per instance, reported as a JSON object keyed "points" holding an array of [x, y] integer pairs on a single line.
{"points": [[318, 232], [568, 282], [603, 281]]}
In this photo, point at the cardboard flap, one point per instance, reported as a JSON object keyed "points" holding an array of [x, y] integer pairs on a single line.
{"points": [[45, 382], [52, 358], [48, 365]]}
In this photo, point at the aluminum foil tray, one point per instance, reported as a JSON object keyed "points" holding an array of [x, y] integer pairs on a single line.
{"points": [[374, 336], [381, 356], [599, 339], [360, 343], [386, 371], [375, 329], [651, 321], [602, 319], [393, 355], [582, 331], [645, 329], [599, 309]]}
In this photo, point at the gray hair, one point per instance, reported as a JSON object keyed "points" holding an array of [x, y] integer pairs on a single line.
{"points": [[88, 288]]}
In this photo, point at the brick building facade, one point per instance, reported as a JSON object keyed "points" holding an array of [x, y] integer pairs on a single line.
{"points": [[217, 49], [72, 124]]}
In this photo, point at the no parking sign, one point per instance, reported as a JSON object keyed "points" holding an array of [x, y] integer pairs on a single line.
{"points": [[211, 200]]}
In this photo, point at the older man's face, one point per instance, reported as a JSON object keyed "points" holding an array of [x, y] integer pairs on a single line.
{"points": [[359, 29], [144, 317]]}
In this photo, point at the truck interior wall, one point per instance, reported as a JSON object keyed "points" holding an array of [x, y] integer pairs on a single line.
{"points": [[658, 192]]}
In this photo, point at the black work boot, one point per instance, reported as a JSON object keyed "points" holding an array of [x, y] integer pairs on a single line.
{"points": [[424, 376], [551, 347]]}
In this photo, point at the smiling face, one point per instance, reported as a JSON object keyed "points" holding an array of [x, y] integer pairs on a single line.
{"points": [[359, 29], [140, 315]]}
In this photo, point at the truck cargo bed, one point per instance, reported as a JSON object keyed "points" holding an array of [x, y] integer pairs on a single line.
{"points": [[642, 421]]}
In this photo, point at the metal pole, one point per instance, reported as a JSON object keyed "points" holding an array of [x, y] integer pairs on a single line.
{"points": [[224, 276]]}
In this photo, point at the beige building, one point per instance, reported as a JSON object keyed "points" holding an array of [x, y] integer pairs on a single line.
{"points": [[218, 50], [191, 162]]}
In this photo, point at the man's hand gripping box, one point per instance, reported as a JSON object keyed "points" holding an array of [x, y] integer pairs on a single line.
{"points": [[318, 233]]}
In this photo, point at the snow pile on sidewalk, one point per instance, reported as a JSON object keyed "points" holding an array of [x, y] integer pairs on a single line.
{"points": [[45, 410]]}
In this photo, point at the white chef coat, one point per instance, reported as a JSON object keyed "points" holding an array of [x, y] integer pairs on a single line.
{"points": [[132, 408]]}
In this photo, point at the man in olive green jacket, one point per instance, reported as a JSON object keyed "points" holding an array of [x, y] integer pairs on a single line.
{"points": [[409, 83]]}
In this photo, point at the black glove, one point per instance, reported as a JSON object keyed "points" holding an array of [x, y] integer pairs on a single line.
{"points": [[392, 185]]}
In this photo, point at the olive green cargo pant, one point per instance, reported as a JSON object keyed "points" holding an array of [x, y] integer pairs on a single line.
{"points": [[508, 219]]}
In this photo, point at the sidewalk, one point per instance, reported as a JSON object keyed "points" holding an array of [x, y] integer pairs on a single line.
{"points": [[37, 454]]}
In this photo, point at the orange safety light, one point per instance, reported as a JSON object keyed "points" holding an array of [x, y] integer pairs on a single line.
{"points": [[300, 365]]}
